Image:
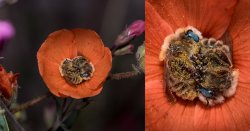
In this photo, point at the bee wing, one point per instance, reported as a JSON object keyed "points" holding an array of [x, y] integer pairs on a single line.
{"points": [[227, 41]]}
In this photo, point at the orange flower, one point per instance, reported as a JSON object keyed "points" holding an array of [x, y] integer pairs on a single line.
{"points": [[213, 18], [8, 83], [74, 63]]}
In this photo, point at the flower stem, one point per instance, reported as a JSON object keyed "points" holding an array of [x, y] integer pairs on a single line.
{"points": [[124, 75], [30, 103]]}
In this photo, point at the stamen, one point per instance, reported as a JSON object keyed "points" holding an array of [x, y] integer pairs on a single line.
{"points": [[76, 70], [198, 67]]}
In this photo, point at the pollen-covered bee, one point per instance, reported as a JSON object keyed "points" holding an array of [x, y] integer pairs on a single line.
{"points": [[197, 67], [76, 70]]}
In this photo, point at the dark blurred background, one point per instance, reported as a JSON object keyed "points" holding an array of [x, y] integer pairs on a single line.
{"points": [[120, 106]]}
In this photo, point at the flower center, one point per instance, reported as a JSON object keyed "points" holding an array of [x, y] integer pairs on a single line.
{"points": [[198, 67], [76, 70]]}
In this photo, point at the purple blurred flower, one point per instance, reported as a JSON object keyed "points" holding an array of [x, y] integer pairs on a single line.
{"points": [[134, 30], [7, 31], [4, 2]]}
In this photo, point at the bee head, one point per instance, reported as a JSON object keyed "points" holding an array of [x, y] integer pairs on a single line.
{"points": [[191, 35]]}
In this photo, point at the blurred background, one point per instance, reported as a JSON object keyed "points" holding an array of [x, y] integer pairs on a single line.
{"points": [[120, 106]]}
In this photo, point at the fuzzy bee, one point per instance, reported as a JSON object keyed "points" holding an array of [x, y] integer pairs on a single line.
{"points": [[76, 70], [197, 67]]}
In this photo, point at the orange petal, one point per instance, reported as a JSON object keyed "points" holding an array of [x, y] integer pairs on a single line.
{"points": [[89, 44], [156, 30], [50, 73], [234, 114], [240, 107], [58, 46], [102, 69], [238, 111], [88, 92], [239, 31], [211, 17], [156, 104], [78, 93]]}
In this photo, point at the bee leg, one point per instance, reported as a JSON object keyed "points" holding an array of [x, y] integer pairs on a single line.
{"points": [[207, 102], [170, 95]]}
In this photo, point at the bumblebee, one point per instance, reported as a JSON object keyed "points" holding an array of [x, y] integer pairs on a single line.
{"points": [[76, 70], [197, 67]]}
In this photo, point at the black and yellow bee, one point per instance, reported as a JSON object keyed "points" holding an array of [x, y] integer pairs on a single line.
{"points": [[76, 70], [197, 67]]}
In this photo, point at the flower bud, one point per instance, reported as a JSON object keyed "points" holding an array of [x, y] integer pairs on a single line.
{"points": [[140, 56], [8, 84], [134, 30], [128, 49]]}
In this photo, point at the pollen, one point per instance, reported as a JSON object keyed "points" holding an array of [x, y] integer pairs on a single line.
{"points": [[198, 67], [76, 70]]}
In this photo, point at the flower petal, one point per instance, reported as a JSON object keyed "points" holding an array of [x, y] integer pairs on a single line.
{"points": [[50, 73], [102, 69], [88, 92], [156, 104], [237, 110], [187, 115], [242, 110], [58, 46], [239, 31], [162, 114], [211, 17], [78, 93], [89, 44], [156, 30]]}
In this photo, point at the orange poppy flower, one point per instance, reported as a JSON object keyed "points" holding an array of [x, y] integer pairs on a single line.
{"points": [[213, 18], [74, 63], [8, 83]]}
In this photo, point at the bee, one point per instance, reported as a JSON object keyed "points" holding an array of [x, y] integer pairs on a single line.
{"points": [[197, 67], [76, 70]]}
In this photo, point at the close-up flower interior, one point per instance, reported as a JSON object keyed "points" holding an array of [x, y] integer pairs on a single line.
{"points": [[196, 65]]}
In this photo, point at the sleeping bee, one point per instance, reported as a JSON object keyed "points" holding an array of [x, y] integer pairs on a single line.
{"points": [[76, 70], [197, 67]]}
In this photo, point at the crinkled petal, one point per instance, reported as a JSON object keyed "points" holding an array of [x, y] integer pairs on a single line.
{"points": [[58, 46]]}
